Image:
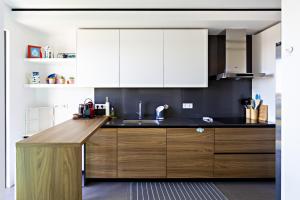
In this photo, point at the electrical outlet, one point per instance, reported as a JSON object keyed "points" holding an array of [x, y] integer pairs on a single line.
{"points": [[100, 106], [187, 105]]}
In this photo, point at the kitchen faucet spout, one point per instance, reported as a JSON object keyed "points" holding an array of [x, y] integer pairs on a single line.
{"points": [[140, 110]]}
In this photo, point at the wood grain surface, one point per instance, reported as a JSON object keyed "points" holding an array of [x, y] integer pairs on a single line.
{"points": [[244, 140], [244, 166], [141, 153], [69, 132], [189, 153], [48, 173], [101, 154]]}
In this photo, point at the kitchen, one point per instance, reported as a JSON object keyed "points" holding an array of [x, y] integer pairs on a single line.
{"points": [[181, 95]]}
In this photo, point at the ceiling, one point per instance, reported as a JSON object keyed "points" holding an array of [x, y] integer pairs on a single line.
{"points": [[220, 4], [215, 21]]}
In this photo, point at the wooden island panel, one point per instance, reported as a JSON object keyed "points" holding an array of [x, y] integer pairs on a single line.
{"points": [[48, 164], [48, 172]]}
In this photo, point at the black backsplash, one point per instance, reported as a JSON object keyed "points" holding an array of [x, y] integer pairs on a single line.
{"points": [[220, 99]]}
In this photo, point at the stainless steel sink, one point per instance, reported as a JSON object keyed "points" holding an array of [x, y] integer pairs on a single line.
{"points": [[144, 121]]}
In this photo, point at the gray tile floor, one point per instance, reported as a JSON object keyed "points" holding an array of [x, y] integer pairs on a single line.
{"points": [[247, 190], [233, 190]]}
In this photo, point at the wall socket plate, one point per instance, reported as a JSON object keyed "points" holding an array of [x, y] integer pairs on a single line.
{"points": [[100, 106], [187, 105]]}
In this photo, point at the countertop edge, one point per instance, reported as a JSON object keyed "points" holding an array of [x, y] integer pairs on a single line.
{"points": [[90, 130], [188, 126]]}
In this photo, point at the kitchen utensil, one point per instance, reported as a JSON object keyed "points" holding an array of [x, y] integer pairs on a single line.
{"points": [[252, 104], [246, 102], [257, 103], [257, 96]]}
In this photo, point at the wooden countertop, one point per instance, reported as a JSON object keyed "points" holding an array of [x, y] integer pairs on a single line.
{"points": [[71, 132]]}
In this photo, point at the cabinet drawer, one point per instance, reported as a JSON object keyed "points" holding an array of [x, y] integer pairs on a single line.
{"points": [[141, 153], [189, 153], [244, 140], [244, 166], [101, 154]]}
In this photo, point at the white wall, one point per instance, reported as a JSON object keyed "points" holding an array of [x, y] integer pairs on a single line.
{"points": [[2, 106], [63, 42], [18, 97], [290, 100], [264, 60]]}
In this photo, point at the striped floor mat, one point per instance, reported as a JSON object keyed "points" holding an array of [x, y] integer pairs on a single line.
{"points": [[175, 191]]}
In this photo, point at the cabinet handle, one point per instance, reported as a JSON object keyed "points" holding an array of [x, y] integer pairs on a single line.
{"points": [[200, 130]]}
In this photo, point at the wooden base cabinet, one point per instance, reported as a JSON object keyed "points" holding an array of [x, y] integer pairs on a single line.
{"points": [[244, 140], [244, 166], [101, 154], [244, 153], [142, 153], [190, 154], [181, 153]]}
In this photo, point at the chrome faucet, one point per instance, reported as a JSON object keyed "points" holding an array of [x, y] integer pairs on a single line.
{"points": [[140, 110]]}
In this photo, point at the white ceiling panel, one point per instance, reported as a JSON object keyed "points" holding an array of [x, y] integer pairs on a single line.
{"points": [[220, 4], [215, 21]]}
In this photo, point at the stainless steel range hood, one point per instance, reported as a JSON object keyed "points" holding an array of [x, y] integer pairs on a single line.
{"points": [[236, 56]]}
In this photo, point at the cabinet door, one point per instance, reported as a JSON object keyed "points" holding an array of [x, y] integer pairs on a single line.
{"points": [[98, 58], [190, 154], [141, 153], [101, 154], [185, 58], [141, 58], [244, 166]]}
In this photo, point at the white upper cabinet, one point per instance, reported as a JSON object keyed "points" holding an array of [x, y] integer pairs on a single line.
{"points": [[141, 58], [98, 58], [186, 58], [264, 48]]}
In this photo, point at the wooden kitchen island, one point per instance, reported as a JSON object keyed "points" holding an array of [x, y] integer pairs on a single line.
{"points": [[49, 164]]}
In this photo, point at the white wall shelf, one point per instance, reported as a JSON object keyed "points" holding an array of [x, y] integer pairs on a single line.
{"points": [[51, 60], [51, 86]]}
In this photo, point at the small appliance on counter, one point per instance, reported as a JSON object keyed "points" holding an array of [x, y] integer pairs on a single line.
{"points": [[85, 110]]}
